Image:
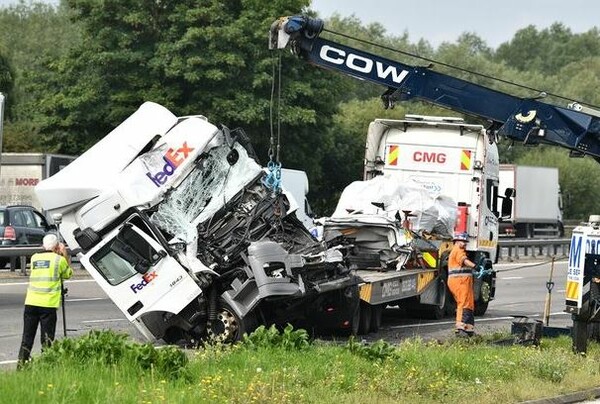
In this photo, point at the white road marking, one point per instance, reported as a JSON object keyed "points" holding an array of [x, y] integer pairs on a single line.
{"points": [[87, 299], [510, 277], [27, 283], [8, 362], [104, 321]]}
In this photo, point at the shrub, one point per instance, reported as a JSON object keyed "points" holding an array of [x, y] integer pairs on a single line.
{"points": [[111, 348], [288, 339]]}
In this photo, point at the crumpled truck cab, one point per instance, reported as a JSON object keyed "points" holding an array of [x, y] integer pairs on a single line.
{"points": [[172, 219]]}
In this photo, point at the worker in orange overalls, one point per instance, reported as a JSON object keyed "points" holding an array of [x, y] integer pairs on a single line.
{"points": [[460, 283]]}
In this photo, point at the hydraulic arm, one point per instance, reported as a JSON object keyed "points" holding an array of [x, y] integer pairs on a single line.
{"points": [[527, 120]]}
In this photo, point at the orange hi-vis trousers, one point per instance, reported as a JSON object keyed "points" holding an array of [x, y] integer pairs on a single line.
{"points": [[460, 284]]}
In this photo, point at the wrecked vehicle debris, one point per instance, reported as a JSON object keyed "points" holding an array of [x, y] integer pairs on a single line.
{"points": [[183, 236]]}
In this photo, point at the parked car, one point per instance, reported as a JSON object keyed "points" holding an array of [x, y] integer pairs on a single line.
{"points": [[21, 225]]}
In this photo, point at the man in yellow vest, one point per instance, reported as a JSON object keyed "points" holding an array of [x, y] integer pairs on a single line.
{"points": [[48, 270]]}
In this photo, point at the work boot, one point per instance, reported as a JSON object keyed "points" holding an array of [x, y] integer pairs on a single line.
{"points": [[463, 334]]}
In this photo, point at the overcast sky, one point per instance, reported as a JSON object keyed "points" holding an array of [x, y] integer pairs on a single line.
{"points": [[444, 20]]}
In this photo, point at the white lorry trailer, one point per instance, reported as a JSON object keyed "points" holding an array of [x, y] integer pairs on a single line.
{"points": [[21, 172], [537, 201], [425, 178]]}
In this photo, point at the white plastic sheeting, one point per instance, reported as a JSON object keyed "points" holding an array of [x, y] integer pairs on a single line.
{"points": [[436, 215]]}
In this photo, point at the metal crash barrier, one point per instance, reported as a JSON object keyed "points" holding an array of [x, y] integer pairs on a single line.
{"points": [[19, 256], [508, 250], [518, 249]]}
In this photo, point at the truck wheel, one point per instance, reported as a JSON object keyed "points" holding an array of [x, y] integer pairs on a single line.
{"points": [[579, 334], [364, 321], [482, 303], [228, 327], [376, 315], [3, 262]]}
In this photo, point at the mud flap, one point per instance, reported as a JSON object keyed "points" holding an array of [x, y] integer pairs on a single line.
{"points": [[434, 293]]}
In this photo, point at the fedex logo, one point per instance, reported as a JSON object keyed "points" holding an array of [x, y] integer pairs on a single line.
{"points": [[173, 159], [146, 279]]}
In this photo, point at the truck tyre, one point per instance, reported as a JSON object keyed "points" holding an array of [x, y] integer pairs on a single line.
{"points": [[228, 327], [364, 321], [483, 301], [449, 303], [3, 262], [376, 316], [579, 334]]}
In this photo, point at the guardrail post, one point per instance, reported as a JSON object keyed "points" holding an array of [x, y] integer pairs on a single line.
{"points": [[23, 265]]}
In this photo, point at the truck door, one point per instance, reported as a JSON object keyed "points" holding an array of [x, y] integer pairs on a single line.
{"points": [[137, 273]]}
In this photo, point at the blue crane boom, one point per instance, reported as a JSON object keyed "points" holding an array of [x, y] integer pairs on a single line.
{"points": [[527, 120]]}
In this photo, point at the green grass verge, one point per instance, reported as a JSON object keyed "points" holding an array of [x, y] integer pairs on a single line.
{"points": [[274, 367]]}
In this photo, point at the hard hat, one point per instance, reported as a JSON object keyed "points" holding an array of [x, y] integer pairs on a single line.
{"points": [[460, 237]]}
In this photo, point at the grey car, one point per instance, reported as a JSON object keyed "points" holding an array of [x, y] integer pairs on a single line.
{"points": [[21, 225]]}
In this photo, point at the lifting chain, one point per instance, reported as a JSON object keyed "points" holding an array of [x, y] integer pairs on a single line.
{"points": [[272, 180]]}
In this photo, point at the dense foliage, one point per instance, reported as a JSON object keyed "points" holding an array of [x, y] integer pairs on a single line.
{"points": [[72, 73]]}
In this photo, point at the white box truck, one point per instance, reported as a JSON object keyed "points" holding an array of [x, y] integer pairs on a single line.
{"points": [[21, 172], [537, 202], [425, 178]]}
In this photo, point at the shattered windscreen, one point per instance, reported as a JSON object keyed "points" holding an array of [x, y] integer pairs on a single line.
{"points": [[205, 190]]}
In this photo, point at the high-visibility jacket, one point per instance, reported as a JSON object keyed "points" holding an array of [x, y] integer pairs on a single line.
{"points": [[48, 269]]}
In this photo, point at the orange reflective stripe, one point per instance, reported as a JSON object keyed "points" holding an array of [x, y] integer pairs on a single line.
{"points": [[393, 152], [465, 160]]}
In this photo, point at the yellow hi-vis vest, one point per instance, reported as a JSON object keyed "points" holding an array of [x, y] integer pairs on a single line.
{"points": [[47, 270]]}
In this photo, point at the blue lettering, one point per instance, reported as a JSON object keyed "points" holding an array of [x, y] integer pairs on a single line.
{"points": [[575, 251], [161, 177], [146, 279]]}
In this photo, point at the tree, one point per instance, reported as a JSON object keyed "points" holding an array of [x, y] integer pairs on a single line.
{"points": [[207, 58], [6, 79], [548, 50], [32, 35]]}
